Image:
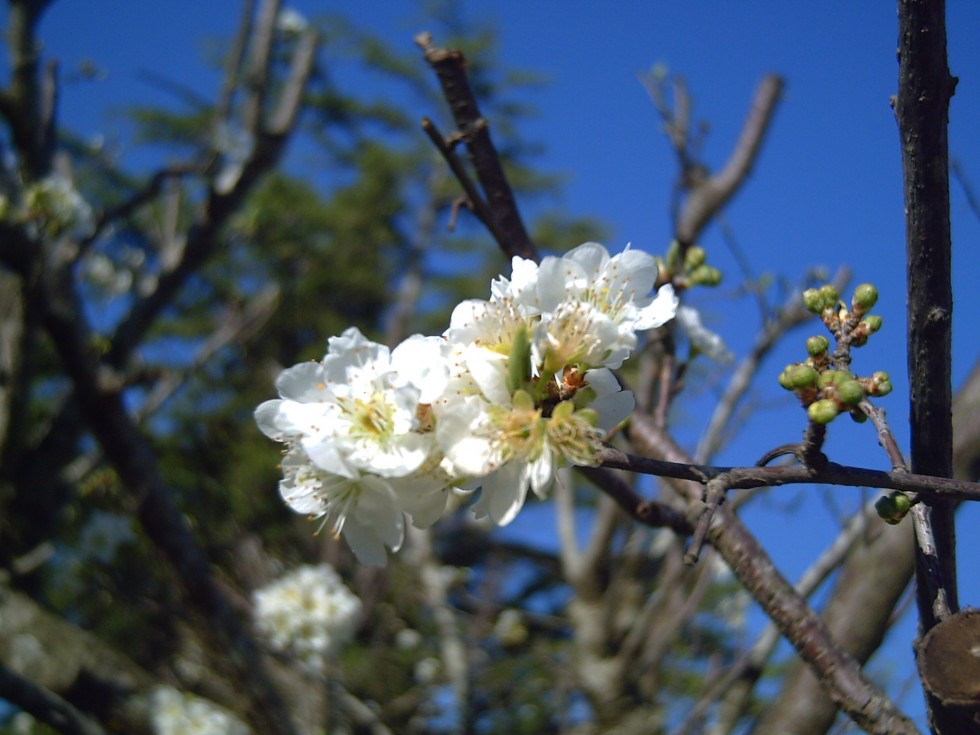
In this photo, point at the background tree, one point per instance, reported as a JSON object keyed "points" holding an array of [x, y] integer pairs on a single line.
{"points": [[142, 319]]}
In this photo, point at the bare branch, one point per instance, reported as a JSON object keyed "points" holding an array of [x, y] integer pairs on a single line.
{"points": [[45, 706], [922, 107], [450, 68], [829, 473], [710, 195], [840, 674]]}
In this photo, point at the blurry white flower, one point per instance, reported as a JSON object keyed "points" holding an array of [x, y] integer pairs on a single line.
{"points": [[291, 22], [55, 207], [309, 613], [427, 670], [702, 339], [175, 713], [103, 534], [510, 629], [408, 638]]}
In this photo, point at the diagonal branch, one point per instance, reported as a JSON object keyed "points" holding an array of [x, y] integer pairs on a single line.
{"points": [[450, 68], [838, 672], [707, 196]]}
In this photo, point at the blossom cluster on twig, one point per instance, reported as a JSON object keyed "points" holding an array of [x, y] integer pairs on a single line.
{"points": [[517, 386]]}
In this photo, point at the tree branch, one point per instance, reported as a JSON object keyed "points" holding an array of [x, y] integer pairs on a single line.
{"points": [[450, 68], [710, 194], [839, 673]]}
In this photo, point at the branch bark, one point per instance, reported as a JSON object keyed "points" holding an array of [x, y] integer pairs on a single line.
{"points": [[925, 87], [450, 68]]}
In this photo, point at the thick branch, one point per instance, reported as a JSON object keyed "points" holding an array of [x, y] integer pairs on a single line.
{"points": [[924, 90], [840, 674]]}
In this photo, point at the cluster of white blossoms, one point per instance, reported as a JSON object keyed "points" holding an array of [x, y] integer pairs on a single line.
{"points": [[175, 713], [517, 387], [309, 613]]}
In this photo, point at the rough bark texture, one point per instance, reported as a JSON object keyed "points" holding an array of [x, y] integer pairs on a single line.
{"points": [[922, 107]]}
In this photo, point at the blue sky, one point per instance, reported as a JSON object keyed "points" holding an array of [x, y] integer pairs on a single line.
{"points": [[826, 190]]}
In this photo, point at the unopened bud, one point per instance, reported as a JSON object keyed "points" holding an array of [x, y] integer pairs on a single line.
{"points": [[812, 300], [850, 392], [893, 507], [865, 297], [873, 321], [694, 257], [817, 345], [801, 376], [823, 411], [705, 275], [833, 377], [829, 294], [880, 385]]}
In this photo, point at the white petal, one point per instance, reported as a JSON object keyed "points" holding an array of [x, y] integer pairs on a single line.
{"points": [[503, 493], [305, 382], [266, 416], [660, 311]]}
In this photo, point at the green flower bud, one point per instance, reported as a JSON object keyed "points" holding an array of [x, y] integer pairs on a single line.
{"points": [[829, 294], [801, 376], [705, 275], [833, 377], [823, 411], [873, 321], [812, 300], [893, 507], [880, 384], [584, 396], [865, 297], [817, 345], [784, 378], [694, 257], [850, 392]]}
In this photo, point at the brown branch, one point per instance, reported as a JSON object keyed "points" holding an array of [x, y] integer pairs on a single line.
{"points": [[450, 68], [710, 194], [647, 512], [45, 706], [476, 203], [831, 473], [922, 107], [840, 674]]}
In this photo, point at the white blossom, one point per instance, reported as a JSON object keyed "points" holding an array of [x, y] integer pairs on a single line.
{"points": [[175, 713], [517, 387], [309, 613], [703, 340], [55, 207]]}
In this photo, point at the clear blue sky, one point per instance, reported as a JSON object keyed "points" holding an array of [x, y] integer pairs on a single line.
{"points": [[826, 191]]}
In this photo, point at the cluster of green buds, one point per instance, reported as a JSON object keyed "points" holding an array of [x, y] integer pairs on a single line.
{"points": [[854, 322], [688, 270], [822, 383]]}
